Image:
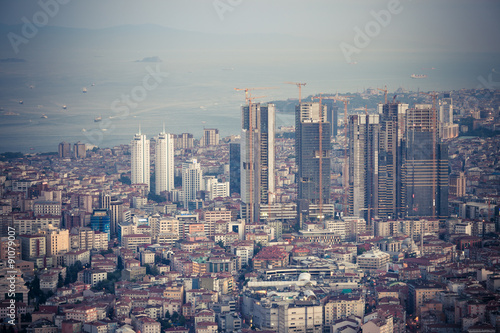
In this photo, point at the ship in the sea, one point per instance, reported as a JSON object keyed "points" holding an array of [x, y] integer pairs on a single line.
{"points": [[97, 119], [418, 76], [84, 90], [44, 116]]}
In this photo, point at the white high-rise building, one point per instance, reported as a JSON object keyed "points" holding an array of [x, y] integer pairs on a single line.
{"points": [[191, 180], [140, 159], [164, 163]]}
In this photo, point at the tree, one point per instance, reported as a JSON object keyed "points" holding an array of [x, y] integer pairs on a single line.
{"points": [[119, 265], [60, 281], [257, 248]]}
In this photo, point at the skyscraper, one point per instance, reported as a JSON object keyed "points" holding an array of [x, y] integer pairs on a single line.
{"points": [[234, 168], [140, 159], [191, 180], [257, 159], [390, 155], [332, 116], [164, 163], [64, 150], [363, 165], [425, 165], [312, 145], [80, 150]]}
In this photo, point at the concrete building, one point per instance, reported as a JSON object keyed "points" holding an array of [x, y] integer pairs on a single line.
{"points": [[300, 316], [57, 241], [373, 260], [32, 246]]}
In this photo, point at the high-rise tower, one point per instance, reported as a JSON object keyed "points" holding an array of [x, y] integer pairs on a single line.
{"points": [[257, 159], [164, 163], [309, 123], [391, 197], [191, 180], [425, 165], [140, 159], [363, 165]]}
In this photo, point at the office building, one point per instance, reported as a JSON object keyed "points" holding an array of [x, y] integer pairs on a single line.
{"points": [[257, 156], [140, 159], [65, 150], [80, 150], [425, 165], [312, 147], [100, 221], [390, 159], [191, 180], [116, 215], [332, 116], [363, 165], [234, 168], [164, 163]]}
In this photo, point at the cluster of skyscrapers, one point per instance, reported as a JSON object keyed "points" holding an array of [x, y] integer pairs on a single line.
{"points": [[395, 162], [398, 165]]}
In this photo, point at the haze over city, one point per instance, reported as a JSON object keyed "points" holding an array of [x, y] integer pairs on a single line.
{"points": [[273, 166]]}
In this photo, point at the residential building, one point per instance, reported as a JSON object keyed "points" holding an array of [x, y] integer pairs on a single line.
{"points": [[140, 159], [164, 163]]}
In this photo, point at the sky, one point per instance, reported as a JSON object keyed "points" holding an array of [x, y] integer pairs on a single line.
{"points": [[460, 25]]}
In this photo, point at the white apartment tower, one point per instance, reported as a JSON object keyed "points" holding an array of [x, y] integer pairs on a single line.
{"points": [[140, 159], [164, 163], [191, 180]]}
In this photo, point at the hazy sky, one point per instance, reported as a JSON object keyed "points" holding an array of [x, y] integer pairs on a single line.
{"points": [[461, 25]]}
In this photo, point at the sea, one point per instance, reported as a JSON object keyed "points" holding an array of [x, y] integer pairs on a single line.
{"points": [[194, 91]]}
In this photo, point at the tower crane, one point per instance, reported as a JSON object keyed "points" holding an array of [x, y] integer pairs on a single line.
{"points": [[299, 85], [249, 99], [385, 93]]}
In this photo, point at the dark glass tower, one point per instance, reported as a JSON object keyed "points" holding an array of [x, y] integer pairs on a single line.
{"points": [[234, 168], [309, 127], [426, 165]]}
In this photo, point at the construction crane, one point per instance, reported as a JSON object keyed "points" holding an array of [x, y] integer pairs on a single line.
{"points": [[435, 163], [385, 94], [299, 85], [249, 99]]}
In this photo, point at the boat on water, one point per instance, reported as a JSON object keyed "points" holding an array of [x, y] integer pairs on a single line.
{"points": [[43, 116], [418, 76], [97, 119], [64, 107], [84, 90], [21, 102]]}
